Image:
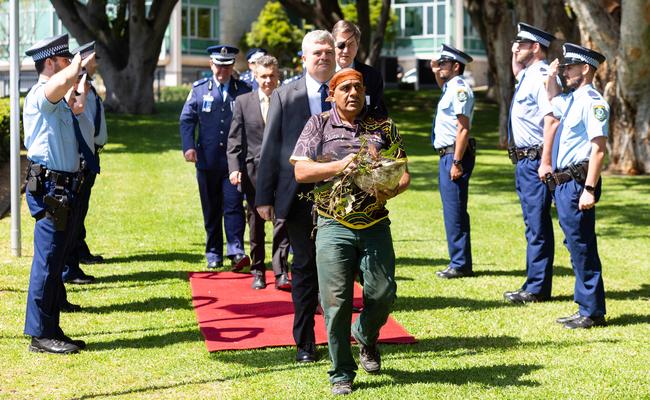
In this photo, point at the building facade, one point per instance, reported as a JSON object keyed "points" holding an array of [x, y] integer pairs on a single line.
{"points": [[422, 26]]}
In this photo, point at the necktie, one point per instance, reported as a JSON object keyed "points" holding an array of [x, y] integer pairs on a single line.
{"points": [[218, 98], [325, 105], [511, 141], [265, 107], [558, 134], [91, 160]]}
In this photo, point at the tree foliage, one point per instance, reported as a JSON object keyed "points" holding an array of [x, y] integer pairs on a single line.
{"points": [[274, 31]]}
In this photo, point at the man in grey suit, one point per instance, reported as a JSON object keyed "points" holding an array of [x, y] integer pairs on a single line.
{"points": [[244, 146], [278, 194]]}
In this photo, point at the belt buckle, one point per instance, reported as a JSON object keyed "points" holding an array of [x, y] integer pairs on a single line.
{"points": [[531, 153]]}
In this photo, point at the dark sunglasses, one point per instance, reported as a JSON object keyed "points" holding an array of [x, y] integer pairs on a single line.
{"points": [[523, 41]]}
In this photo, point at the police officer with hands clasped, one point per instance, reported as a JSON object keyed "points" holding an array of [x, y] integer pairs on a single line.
{"points": [[54, 142], [450, 138], [210, 105], [530, 129], [577, 158]]}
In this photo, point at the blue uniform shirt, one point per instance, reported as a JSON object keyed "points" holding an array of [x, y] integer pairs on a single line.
{"points": [[530, 105], [249, 78], [585, 119], [209, 106], [457, 99], [49, 133], [90, 111]]}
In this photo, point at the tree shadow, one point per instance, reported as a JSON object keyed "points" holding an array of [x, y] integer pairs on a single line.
{"points": [[421, 261], [628, 319], [635, 294], [557, 271], [149, 305], [148, 341], [146, 257], [410, 303], [492, 375], [144, 276]]}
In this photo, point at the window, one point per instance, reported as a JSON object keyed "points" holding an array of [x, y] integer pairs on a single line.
{"points": [[413, 21]]}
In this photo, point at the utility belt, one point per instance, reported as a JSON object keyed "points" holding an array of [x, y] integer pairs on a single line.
{"points": [[57, 203], [577, 172], [471, 147], [519, 153]]}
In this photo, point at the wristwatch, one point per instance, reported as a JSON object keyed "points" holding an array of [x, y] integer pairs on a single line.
{"points": [[590, 189], [458, 163]]}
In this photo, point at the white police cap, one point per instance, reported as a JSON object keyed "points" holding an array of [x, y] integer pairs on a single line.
{"points": [[450, 53], [222, 54], [574, 54], [55, 46], [529, 32]]}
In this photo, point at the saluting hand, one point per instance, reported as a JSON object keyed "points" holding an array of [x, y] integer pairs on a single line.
{"points": [[553, 70]]}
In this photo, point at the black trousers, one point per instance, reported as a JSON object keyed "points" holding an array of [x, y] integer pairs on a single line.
{"points": [[304, 279]]}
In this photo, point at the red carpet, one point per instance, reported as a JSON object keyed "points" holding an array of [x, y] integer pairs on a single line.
{"points": [[232, 316]]}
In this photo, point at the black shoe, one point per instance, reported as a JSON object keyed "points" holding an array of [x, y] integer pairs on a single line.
{"points": [[69, 307], [282, 282], [259, 280], [451, 273], [583, 322], [341, 388], [522, 297], [564, 320], [82, 280], [239, 262], [91, 259], [215, 264], [79, 343], [53, 346], [370, 358], [306, 354]]}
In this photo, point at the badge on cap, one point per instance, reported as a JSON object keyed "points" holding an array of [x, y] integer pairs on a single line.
{"points": [[600, 112]]}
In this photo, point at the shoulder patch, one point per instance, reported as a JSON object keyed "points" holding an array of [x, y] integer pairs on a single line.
{"points": [[600, 112], [460, 82], [200, 81], [594, 94], [461, 94]]}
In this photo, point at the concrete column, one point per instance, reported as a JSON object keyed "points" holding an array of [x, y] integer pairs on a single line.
{"points": [[174, 69], [459, 36]]}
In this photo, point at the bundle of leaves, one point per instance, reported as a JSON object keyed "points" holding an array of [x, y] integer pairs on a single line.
{"points": [[373, 171]]}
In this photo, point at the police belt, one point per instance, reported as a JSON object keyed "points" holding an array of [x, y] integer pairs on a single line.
{"points": [[39, 173], [577, 172], [519, 153], [471, 147]]}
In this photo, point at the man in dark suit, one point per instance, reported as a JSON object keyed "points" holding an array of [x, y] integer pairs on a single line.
{"points": [[279, 194], [209, 105], [244, 146], [347, 36]]}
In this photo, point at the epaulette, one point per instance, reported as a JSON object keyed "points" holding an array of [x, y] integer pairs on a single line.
{"points": [[460, 81], [200, 82], [594, 95]]}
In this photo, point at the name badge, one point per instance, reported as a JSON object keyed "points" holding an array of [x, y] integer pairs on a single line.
{"points": [[207, 103]]}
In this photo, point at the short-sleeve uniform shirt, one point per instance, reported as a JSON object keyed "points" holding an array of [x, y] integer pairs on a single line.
{"points": [[584, 116], [530, 105], [49, 132], [326, 138], [457, 99]]}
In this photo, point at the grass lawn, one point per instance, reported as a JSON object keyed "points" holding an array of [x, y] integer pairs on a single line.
{"points": [[143, 339]]}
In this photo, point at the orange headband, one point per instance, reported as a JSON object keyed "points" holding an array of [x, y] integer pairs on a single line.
{"points": [[344, 75]]}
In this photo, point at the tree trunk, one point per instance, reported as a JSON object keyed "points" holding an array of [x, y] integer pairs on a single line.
{"points": [[378, 36], [621, 32], [128, 46]]}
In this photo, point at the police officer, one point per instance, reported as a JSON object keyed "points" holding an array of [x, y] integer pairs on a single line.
{"points": [[54, 141], [450, 138], [578, 153], [531, 115], [93, 128], [210, 105], [252, 56]]}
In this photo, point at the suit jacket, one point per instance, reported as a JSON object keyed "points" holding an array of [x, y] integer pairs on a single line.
{"points": [[245, 136], [288, 114], [374, 83]]}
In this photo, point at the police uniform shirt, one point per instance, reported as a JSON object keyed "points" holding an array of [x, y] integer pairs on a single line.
{"points": [[457, 99], [587, 117], [87, 127], [530, 105], [90, 110], [49, 133]]}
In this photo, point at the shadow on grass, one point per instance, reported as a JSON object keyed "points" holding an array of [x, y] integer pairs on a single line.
{"points": [[145, 257], [557, 271], [421, 261], [492, 375], [410, 303], [152, 304], [635, 294], [148, 341], [145, 276], [629, 319]]}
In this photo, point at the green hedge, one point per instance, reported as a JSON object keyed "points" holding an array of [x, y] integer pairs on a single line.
{"points": [[5, 129], [174, 93]]}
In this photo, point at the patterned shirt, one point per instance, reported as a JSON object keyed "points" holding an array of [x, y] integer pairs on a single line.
{"points": [[326, 138]]}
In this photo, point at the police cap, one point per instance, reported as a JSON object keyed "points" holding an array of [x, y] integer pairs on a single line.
{"points": [[222, 54], [55, 46]]}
